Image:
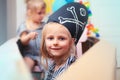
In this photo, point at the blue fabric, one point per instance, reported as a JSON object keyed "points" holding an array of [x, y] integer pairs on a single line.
{"points": [[32, 50], [50, 74]]}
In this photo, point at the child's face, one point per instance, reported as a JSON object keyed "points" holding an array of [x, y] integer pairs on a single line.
{"points": [[38, 15], [57, 40]]}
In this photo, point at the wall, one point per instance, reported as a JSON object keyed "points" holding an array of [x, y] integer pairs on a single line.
{"points": [[3, 22], [11, 18], [20, 11], [106, 17]]}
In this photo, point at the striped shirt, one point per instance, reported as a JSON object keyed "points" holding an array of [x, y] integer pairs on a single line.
{"points": [[51, 74]]}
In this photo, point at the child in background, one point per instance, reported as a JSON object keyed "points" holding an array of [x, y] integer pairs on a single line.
{"points": [[60, 36], [30, 32]]}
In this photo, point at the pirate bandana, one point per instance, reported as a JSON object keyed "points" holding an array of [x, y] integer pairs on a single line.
{"points": [[73, 16]]}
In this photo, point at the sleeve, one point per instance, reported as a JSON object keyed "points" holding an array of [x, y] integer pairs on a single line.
{"points": [[22, 28]]}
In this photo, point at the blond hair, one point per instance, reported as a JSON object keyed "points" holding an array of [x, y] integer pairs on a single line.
{"points": [[35, 4]]}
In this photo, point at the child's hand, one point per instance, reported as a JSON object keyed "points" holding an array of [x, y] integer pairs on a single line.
{"points": [[32, 35], [25, 38]]}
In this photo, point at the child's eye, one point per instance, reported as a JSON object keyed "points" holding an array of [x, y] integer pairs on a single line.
{"points": [[50, 38], [62, 38], [39, 13]]}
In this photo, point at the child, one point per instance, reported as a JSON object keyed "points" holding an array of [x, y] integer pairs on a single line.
{"points": [[30, 31], [59, 37]]}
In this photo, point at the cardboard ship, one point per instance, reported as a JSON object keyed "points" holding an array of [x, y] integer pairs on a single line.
{"points": [[97, 63]]}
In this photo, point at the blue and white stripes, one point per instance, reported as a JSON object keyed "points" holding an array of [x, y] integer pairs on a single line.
{"points": [[51, 74]]}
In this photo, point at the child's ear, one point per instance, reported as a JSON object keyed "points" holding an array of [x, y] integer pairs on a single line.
{"points": [[73, 41], [28, 12]]}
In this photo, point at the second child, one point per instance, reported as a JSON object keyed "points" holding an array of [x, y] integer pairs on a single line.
{"points": [[30, 32]]}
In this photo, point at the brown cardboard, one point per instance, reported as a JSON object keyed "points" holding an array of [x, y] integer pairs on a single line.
{"points": [[98, 63]]}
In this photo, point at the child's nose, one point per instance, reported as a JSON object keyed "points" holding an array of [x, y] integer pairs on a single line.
{"points": [[55, 42]]}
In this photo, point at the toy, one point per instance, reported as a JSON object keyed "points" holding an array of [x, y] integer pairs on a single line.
{"points": [[92, 31]]}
